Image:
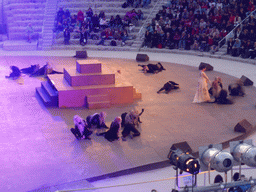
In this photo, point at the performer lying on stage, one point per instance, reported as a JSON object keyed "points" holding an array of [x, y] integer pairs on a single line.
{"points": [[169, 86], [152, 68], [15, 74], [112, 133], [236, 89], [31, 69], [81, 128], [45, 70]]}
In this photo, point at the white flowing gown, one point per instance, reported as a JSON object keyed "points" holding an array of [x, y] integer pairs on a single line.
{"points": [[202, 94]]}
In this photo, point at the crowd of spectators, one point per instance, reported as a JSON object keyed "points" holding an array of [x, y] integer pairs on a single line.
{"points": [[88, 25], [201, 25]]}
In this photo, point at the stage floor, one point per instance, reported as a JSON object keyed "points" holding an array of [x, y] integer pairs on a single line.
{"points": [[38, 149]]}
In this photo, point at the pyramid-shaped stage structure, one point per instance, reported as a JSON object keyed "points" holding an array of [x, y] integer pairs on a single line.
{"points": [[89, 84]]}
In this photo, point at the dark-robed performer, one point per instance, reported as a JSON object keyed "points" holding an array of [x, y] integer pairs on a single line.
{"points": [[136, 121], [152, 68], [169, 86], [15, 74], [129, 126], [112, 133], [236, 89]]}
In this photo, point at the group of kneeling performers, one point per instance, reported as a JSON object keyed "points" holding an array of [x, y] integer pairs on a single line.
{"points": [[128, 121]]}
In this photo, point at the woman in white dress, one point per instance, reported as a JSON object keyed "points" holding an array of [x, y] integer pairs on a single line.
{"points": [[202, 94]]}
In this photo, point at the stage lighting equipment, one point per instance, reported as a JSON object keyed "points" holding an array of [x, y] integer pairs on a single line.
{"points": [[184, 161], [244, 152], [213, 157]]}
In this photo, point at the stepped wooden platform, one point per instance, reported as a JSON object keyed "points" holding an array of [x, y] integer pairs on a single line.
{"points": [[88, 83]]}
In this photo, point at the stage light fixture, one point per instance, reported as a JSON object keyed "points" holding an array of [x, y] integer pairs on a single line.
{"points": [[184, 161], [213, 157], [244, 152]]}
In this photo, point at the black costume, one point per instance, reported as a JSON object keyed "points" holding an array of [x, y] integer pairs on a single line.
{"points": [[95, 120], [43, 71], [124, 115], [169, 86], [222, 99], [112, 133], [79, 134], [29, 70], [236, 89], [15, 73], [129, 125], [153, 68]]}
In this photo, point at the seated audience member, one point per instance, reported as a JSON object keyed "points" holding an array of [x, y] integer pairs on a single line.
{"points": [[236, 89], [152, 68], [241, 188], [189, 42], [253, 51], [236, 48], [30, 32], [124, 37], [216, 88], [66, 36], [45, 70], [155, 39], [103, 36], [147, 40], [103, 23], [169, 86], [83, 36], [31, 69], [222, 99], [81, 130], [145, 3], [97, 119], [112, 133], [15, 74], [129, 125], [136, 121], [230, 44]]}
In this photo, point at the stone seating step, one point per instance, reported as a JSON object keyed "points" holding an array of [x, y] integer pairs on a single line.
{"points": [[19, 45], [92, 42], [91, 47]]}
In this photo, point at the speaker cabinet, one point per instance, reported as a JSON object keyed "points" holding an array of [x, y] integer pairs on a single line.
{"points": [[208, 66], [81, 54], [184, 146], [246, 81], [243, 126], [142, 57]]}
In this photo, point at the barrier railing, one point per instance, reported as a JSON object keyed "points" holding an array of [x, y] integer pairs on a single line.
{"points": [[230, 34], [186, 181]]}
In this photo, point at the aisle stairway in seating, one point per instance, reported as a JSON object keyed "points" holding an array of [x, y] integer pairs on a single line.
{"points": [[87, 84], [49, 17]]}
